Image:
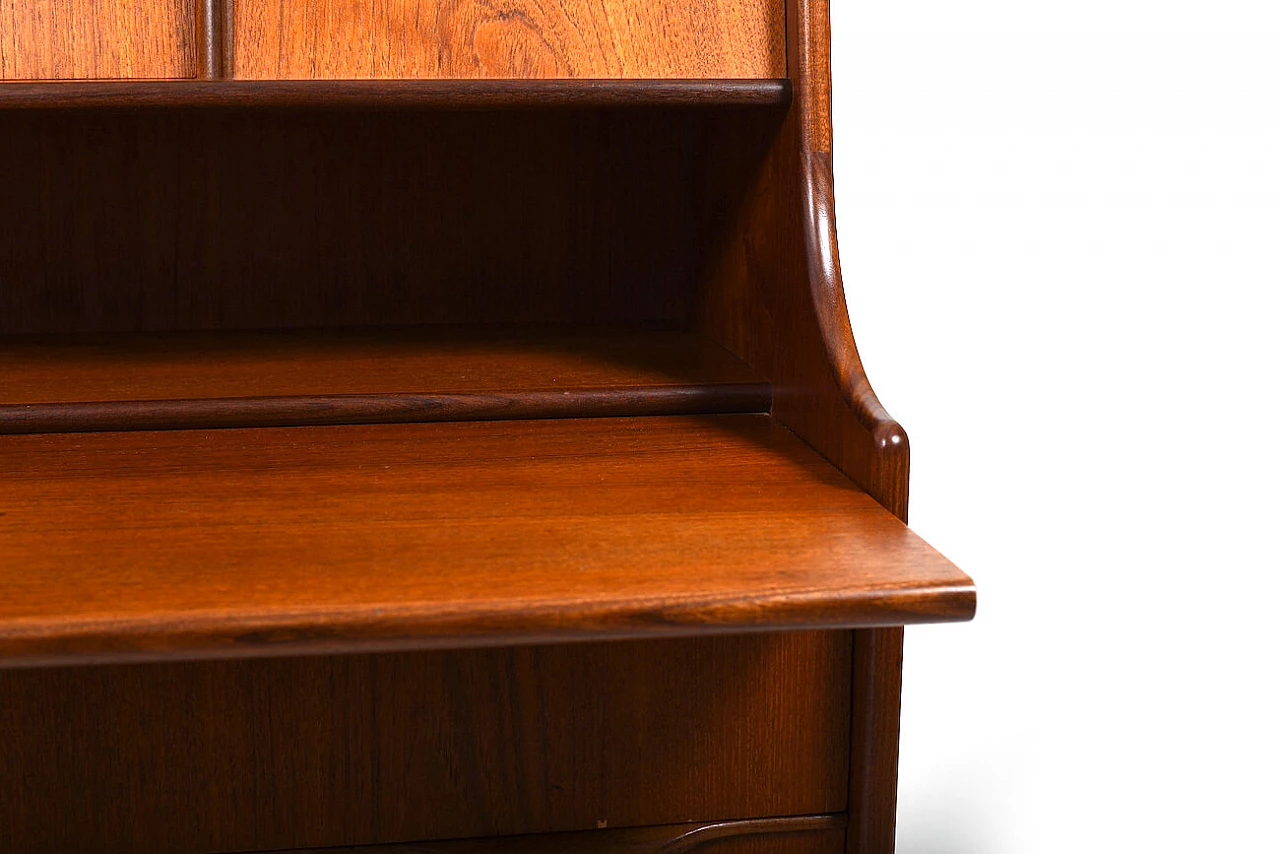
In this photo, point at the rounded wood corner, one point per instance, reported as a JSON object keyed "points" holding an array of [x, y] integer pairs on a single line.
{"points": [[826, 286], [882, 466]]}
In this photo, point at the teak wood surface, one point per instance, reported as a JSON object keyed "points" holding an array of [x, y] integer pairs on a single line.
{"points": [[102, 39], [323, 751], [704, 205], [188, 544], [411, 39], [466, 39]]}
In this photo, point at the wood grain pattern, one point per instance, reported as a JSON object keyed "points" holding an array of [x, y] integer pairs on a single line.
{"points": [[788, 834], [469, 39], [97, 39], [240, 379], [161, 219], [397, 94], [246, 542], [356, 750]]}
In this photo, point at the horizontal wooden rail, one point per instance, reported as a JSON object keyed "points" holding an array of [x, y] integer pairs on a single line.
{"points": [[381, 409], [168, 381], [397, 94]]}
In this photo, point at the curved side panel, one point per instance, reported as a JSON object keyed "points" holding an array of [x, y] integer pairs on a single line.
{"points": [[827, 288], [773, 293], [884, 472]]}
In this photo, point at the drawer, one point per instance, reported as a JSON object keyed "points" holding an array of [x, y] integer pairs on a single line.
{"points": [[97, 39], [354, 750], [478, 39]]}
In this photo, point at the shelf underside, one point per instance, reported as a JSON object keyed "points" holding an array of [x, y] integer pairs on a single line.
{"points": [[232, 543], [396, 94], [276, 378]]}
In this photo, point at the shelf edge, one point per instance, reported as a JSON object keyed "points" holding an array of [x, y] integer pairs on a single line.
{"points": [[394, 94], [323, 410], [367, 629]]}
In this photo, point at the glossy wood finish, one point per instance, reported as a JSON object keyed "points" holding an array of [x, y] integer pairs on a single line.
{"points": [[192, 544], [397, 94], [239, 379], [357, 750], [468, 39], [703, 212], [85, 39], [789, 834], [213, 38]]}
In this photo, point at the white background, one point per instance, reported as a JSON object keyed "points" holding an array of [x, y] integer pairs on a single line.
{"points": [[1060, 230]]}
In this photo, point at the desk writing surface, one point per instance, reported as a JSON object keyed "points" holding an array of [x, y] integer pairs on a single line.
{"points": [[242, 542]]}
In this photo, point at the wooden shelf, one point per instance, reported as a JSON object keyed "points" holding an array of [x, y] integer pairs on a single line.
{"points": [[234, 543], [278, 378], [396, 94]]}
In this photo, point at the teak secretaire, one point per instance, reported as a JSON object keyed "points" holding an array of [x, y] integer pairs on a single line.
{"points": [[436, 424]]}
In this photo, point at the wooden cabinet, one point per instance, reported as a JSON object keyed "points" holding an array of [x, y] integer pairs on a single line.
{"points": [[477, 460]]}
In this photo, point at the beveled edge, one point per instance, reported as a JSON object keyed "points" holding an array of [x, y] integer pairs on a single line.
{"points": [[387, 628]]}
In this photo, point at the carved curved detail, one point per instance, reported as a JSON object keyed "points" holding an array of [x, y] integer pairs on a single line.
{"points": [[706, 833], [827, 288], [662, 839], [813, 101]]}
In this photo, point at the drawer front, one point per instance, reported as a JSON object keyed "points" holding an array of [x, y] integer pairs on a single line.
{"points": [[477, 39], [97, 39], [355, 750]]}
